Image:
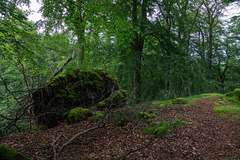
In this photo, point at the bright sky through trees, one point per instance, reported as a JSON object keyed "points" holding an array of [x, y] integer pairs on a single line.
{"points": [[232, 10]]}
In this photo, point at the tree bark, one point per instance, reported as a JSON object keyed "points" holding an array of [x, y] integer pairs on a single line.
{"points": [[138, 43]]}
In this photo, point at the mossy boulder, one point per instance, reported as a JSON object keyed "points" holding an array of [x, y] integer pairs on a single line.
{"points": [[233, 96], [72, 88], [77, 114], [10, 154]]}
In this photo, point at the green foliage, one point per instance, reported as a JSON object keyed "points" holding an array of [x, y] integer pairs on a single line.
{"points": [[162, 128], [148, 114], [10, 154], [77, 114]]}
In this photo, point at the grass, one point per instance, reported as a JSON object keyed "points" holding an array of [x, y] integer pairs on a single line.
{"points": [[231, 111], [186, 100]]}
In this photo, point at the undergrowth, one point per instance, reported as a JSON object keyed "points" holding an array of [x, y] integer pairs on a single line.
{"points": [[162, 128], [231, 112]]}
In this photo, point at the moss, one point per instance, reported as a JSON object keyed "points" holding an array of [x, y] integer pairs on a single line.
{"points": [[39, 127], [120, 118], [57, 81], [90, 78], [149, 114], [72, 88], [231, 112], [179, 101], [233, 96], [101, 71], [161, 103], [98, 115], [10, 154], [2, 132], [77, 114], [112, 79], [114, 99]]}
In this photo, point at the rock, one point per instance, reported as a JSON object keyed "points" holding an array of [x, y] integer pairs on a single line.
{"points": [[73, 88], [10, 154]]}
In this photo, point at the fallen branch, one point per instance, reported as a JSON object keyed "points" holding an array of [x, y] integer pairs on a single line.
{"points": [[145, 145], [76, 136]]}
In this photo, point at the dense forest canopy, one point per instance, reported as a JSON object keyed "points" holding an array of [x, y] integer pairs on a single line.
{"points": [[157, 49]]}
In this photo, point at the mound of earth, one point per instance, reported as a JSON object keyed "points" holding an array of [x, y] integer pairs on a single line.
{"points": [[73, 88]]}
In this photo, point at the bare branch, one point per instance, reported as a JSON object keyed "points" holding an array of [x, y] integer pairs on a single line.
{"points": [[65, 64]]}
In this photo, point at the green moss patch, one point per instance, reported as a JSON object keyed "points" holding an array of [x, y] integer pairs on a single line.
{"points": [[230, 112], [115, 100], [77, 114], [10, 154], [162, 128], [39, 128], [233, 96], [161, 103], [121, 118], [97, 116], [148, 114], [179, 101]]}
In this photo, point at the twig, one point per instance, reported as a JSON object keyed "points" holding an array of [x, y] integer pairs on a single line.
{"points": [[76, 136], [54, 149], [145, 145]]}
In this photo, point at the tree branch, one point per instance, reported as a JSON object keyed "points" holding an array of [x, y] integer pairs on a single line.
{"points": [[65, 64]]}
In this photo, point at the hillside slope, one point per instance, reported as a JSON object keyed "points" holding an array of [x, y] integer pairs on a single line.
{"points": [[207, 136]]}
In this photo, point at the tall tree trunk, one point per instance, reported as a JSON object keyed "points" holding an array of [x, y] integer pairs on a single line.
{"points": [[138, 43], [80, 31], [210, 53], [81, 43]]}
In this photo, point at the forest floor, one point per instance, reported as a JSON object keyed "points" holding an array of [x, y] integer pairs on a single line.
{"points": [[206, 137]]}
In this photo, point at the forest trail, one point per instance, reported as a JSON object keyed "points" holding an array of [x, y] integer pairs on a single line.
{"points": [[206, 137]]}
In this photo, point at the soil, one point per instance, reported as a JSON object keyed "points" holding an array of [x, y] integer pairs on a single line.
{"points": [[206, 137]]}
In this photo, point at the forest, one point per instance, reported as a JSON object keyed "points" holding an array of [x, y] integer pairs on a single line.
{"points": [[160, 52]]}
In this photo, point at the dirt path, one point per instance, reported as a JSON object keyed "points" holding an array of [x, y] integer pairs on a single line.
{"points": [[206, 137]]}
